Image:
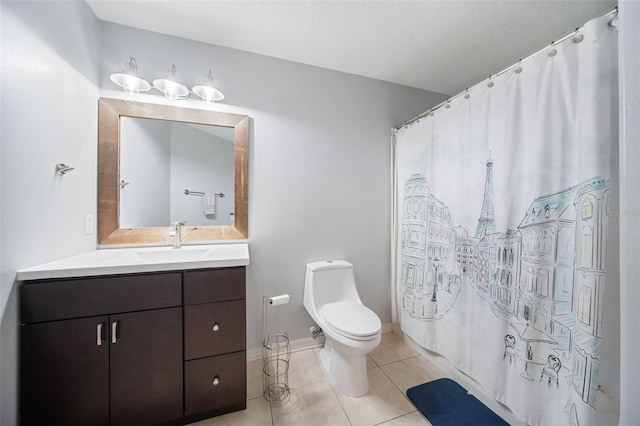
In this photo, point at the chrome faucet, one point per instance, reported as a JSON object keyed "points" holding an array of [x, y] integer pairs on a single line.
{"points": [[176, 231]]}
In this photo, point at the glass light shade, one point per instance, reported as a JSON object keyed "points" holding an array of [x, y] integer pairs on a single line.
{"points": [[207, 91], [129, 79], [170, 87], [208, 94]]}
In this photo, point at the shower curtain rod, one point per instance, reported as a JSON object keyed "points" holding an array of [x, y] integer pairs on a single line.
{"points": [[612, 23]]}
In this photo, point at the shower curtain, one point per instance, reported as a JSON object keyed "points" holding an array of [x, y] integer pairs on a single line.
{"points": [[502, 198]]}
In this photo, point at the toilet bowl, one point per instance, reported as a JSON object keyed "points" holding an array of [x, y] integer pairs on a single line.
{"points": [[351, 329]]}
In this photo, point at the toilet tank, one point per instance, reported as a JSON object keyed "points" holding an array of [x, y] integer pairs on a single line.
{"points": [[329, 281]]}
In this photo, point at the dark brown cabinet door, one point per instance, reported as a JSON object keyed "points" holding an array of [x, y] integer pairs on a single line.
{"points": [[64, 373], [146, 367]]}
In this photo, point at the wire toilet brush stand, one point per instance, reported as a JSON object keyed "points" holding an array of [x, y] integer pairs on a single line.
{"points": [[276, 353]]}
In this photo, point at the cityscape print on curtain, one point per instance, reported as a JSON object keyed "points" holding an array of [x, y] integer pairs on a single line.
{"points": [[503, 203]]}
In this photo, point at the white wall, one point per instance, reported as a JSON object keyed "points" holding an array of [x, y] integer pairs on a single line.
{"points": [[145, 148], [629, 63], [319, 171], [50, 57]]}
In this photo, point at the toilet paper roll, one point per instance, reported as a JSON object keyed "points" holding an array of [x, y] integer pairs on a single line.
{"points": [[279, 300]]}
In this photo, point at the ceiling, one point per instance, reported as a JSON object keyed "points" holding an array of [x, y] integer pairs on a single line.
{"points": [[441, 46]]}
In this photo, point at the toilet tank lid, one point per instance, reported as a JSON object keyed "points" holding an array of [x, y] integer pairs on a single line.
{"points": [[328, 264]]}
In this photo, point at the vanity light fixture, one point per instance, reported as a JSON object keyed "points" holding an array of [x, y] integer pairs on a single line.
{"points": [[173, 90], [129, 79], [207, 91], [170, 87]]}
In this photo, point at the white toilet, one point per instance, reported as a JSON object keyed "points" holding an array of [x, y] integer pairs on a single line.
{"points": [[351, 329]]}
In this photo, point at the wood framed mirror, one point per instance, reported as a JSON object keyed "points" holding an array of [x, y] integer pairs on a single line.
{"points": [[110, 182]]}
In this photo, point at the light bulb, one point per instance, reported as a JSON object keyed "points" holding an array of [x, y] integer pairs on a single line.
{"points": [[130, 85], [170, 90]]}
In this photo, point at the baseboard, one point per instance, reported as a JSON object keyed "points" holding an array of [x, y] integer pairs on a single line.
{"points": [[306, 343]]}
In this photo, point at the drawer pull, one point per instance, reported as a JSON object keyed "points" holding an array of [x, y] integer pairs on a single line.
{"points": [[216, 327], [216, 381]]}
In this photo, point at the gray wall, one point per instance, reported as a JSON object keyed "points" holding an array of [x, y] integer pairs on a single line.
{"points": [[320, 164], [50, 57]]}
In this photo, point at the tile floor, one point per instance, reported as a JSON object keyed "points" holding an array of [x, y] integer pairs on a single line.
{"points": [[393, 368]]}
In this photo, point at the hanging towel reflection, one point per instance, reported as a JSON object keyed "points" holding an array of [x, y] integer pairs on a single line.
{"points": [[209, 203]]}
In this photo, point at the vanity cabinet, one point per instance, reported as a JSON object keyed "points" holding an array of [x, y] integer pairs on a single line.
{"points": [[126, 350]]}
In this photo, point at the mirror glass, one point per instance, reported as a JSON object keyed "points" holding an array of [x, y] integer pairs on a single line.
{"points": [[172, 171], [159, 164]]}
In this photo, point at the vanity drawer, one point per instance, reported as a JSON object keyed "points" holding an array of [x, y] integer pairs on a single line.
{"points": [[214, 285], [214, 328], [83, 297], [204, 393]]}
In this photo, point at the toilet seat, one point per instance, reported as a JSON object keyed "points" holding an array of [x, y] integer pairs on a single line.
{"points": [[352, 320]]}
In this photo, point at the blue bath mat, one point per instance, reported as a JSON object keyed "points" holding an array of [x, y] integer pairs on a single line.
{"points": [[445, 403]]}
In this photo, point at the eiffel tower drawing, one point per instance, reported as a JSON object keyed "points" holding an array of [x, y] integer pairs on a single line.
{"points": [[487, 220]]}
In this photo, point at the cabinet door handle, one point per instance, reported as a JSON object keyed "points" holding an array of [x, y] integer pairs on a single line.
{"points": [[216, 327], [216, 381], [114, 331], [100, 334]]}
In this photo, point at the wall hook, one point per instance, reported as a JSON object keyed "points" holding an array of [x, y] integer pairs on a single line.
{"points": [[62, 169]]}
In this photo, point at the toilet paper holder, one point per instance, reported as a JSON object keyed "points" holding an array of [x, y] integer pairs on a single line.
{"points": [[279, 300], [276, 354]]}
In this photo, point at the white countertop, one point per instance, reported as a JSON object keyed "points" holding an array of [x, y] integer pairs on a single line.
{"points": [[140, 259]]}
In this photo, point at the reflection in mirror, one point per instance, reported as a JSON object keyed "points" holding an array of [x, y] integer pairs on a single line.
{"points": [[149, 155], [175, 171]]}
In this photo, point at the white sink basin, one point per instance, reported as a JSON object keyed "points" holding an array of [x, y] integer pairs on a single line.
{"points": [[117, 257], [179, 255]]}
